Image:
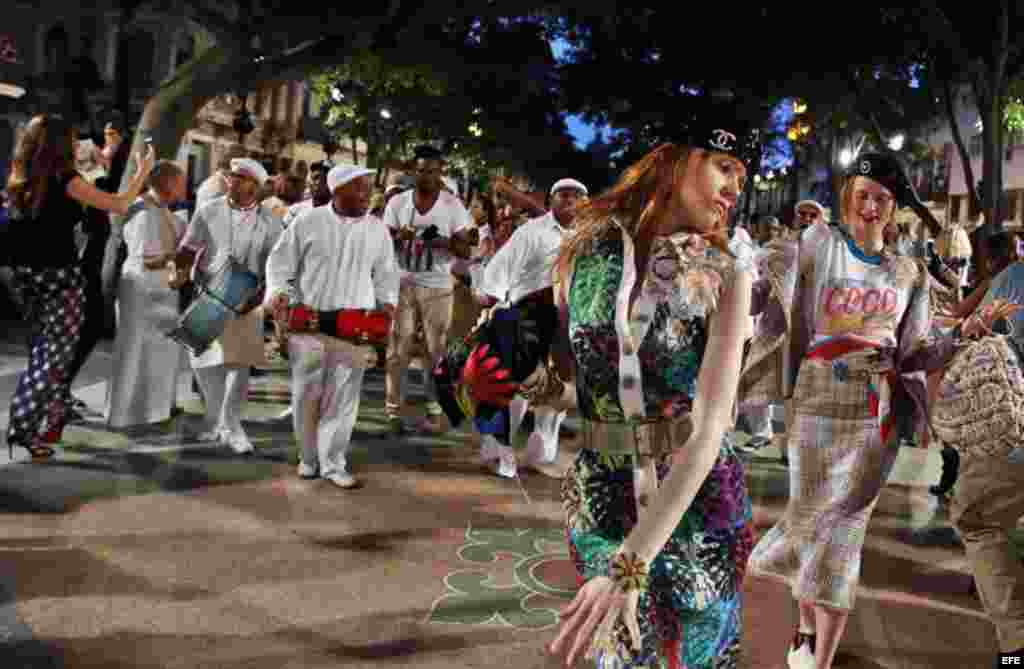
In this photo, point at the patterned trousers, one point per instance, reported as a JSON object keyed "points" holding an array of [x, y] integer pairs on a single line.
{"points": [[54, 301]]}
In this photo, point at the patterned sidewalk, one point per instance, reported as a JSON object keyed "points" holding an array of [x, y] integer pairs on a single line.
{"points": [[136, 550]]}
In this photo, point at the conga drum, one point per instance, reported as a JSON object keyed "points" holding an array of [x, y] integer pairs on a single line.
{"points": [[221, 296]]}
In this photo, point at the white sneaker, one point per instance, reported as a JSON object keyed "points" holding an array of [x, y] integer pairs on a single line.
{"points": [[801, 656], [201, 434], [307, 471], [505, 467], [490, 449], [237, 440], [343, 480]]}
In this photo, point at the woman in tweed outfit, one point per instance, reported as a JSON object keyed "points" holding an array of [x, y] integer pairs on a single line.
{"points": [[860, 340]]}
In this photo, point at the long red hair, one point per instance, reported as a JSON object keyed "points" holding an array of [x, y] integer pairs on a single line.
{"points": [[646, 193]]}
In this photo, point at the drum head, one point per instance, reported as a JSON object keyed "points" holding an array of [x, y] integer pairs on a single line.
{"points": [[201, 324]]}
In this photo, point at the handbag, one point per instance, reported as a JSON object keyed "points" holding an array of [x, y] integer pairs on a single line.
{"points": [[979, 406]]}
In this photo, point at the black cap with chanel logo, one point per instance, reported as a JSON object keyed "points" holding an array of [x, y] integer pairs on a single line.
{"points": [[718, 126], [887, 170]]}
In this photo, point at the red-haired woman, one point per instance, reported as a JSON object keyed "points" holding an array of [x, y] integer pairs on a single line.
{"points": [[654, 314], [46, 196]]}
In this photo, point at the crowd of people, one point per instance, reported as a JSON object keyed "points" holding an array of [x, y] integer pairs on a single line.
{"points": [[644, 309]]}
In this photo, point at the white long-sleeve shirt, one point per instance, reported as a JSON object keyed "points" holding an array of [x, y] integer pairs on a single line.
{"points": [[525, 263], [331, 262]]}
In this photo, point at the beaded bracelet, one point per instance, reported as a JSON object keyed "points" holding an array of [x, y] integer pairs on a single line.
{"points": [[629, 572]]}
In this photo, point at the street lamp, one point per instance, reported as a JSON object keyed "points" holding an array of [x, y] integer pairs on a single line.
{"points": [[385, 114], [896, 142]]}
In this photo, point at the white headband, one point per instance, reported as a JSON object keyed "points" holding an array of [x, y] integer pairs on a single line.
{"points": [[568, 183]]}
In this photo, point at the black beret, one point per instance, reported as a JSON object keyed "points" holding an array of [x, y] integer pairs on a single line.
{"points": [[718, 125], [887, 170]]}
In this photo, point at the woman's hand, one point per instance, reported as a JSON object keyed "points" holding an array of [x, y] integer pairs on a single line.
{"points": [[981, 322], [589, 620]]}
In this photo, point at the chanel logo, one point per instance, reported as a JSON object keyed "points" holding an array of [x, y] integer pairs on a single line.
{"points": [[722, 139], [865, 167]]}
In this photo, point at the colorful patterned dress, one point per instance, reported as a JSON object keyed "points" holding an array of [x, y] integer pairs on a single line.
{"points": [[637, 370]]}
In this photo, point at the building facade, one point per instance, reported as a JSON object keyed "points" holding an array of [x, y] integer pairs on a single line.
{"points": [[88, 64]]}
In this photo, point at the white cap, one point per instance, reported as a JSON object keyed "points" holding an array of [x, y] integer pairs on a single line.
{"points": [[810, 203], [568, 183], [342, 174], [250, 168]]}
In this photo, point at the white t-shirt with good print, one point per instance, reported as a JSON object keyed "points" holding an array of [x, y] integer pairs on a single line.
{"points": [[856, 295], [448, 214]]}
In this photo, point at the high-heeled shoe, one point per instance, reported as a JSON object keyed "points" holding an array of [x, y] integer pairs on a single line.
{"points": [[38, 451]]}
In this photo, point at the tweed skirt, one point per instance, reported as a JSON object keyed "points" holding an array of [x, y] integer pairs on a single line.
{"points": [[838, 464]]}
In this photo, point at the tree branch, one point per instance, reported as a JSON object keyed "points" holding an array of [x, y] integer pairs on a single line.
{"points": [[223, 29]]}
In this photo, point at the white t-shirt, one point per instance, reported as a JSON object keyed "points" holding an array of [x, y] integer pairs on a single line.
{"points": [[524, 264], [855, 295], [426, 269]]}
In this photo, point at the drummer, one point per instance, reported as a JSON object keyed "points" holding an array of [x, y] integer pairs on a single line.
{"points": [[522, 271], [331, 258], [235, 227]]}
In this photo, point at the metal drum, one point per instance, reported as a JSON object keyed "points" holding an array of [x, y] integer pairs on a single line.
{"points": [[220, 297]]}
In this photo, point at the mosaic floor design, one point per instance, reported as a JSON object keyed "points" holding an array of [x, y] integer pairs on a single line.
{"points": [[513, 577]]}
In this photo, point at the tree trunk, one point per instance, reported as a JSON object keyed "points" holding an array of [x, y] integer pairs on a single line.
{"points": [[166, 118], [355, 150], [949, 100]]}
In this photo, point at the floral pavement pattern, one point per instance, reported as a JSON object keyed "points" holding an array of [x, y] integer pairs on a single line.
{"points": [[517, 578]]}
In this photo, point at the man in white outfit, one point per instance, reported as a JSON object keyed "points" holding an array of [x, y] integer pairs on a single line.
{"points": [[522, 268], [232, 228], [331, 258]]}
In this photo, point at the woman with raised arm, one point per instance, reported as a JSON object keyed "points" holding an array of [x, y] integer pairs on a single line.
{"points": [[654, 312], [46, 195], [859, 349]]}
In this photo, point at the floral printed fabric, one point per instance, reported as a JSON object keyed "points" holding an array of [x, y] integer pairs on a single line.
{"points": [[690, 614], [684, 280]]}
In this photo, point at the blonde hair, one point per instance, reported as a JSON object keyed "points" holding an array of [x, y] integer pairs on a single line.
{"points": [[846, 202], [645, 194]]}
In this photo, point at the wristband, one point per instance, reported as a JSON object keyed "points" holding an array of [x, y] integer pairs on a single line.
{"points": [[629, 572]]}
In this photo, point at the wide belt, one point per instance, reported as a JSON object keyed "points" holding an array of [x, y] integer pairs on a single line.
{"points": [[641, 440]]}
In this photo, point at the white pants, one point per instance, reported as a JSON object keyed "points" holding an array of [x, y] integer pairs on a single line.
{"points": [[325, 403], [225, 389], [541, 446]]}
